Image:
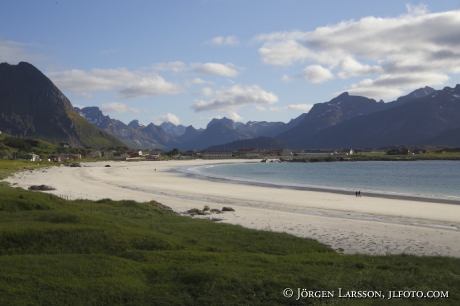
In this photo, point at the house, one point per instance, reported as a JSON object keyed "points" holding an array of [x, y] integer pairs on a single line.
{"points": [[217, 154], [401, 151], [54, 158], [153, 156], [31, 157], [190, 154], [64, 145], [134, 153], [120, 156]]}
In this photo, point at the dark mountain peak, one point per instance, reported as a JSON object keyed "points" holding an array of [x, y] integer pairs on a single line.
{"points": [[343, 95], [189, 133], [219, 125], [432, 119], [451, 91], [33, 84], [190, 128], [173, 130], [416, 94], [229, 122], [135, 124], [167, 124], [261, 128], [159, 134], [31, 105], [94, 116], [93, 110], [218, 132]]}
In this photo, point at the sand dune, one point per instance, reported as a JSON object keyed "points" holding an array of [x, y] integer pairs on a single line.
{"points": [[369, 225]]}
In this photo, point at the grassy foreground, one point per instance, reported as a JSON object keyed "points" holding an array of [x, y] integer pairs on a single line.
{"points": [[58, 252]]}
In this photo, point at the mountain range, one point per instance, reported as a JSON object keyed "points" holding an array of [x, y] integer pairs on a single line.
{"points": [[133, 135], [429, 120], [32, 106]]}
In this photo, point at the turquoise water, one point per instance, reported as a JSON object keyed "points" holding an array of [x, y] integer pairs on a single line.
{"points": [[438, 179]]}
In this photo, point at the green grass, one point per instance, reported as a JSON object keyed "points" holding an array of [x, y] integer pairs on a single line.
{"points": [[59, 252], [9, 167]]}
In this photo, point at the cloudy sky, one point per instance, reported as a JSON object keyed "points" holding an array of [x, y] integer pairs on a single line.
{"points": [[188, 61]]}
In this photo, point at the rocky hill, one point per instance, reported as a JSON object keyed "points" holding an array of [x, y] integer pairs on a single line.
{"points": [[32, 106]]}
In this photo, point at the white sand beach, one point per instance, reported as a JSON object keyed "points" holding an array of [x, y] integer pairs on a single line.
{"points": [[368, 225]]}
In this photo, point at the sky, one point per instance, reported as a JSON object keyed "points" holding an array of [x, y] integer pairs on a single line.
{"points": [[188, 61]]}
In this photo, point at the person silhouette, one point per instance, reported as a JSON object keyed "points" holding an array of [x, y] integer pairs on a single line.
{"points": [[359, 193], [356, 193]]}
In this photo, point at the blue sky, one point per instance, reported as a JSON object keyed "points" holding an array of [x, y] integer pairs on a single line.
{"points": [[189, 61]]}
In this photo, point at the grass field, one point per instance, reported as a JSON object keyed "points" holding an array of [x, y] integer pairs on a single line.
{"points": [[59, 252]]}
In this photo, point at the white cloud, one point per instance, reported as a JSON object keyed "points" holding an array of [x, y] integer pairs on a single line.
{"points": [[389, 86], [205, 91], [286, 79], [234, 116], [198, 81], [221, 40], [128, 84], [284, 53], [419, 9], [167, 117], [232, 99], [317, 74], [118, 108], [418, 42], [301, 107], [13, 52], [153, 86], [171, 67], [217, 69]]}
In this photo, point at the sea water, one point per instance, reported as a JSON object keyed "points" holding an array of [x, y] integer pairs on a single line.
{"points": [[433, 179]]}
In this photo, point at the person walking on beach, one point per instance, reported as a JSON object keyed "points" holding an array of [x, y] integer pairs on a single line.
{"points": [[359, 193], [356, 193]]}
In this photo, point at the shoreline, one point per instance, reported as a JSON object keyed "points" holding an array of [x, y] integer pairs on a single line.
{"points": [[371, 194], [368, 225]]}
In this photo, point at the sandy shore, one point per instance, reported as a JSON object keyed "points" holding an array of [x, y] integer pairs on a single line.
{"points": [[370, 225]]}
